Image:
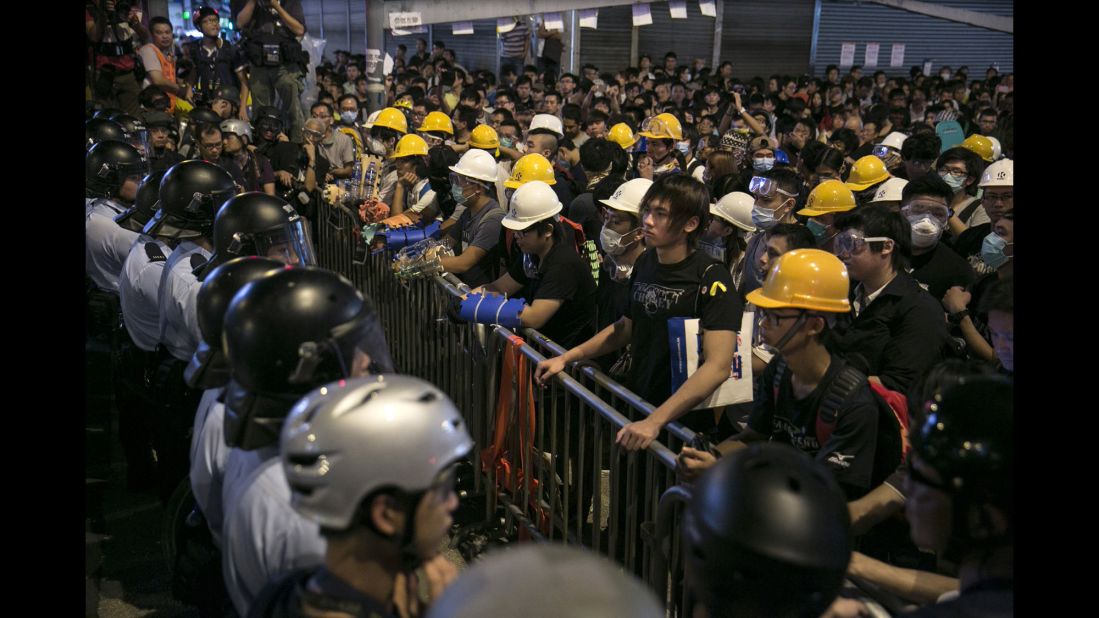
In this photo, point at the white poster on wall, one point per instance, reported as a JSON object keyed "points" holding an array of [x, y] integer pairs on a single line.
{"points": [[678, 9], [927, 68], [589, 18], [404, 21], [554, 22], [642, 16], [707, 7], [462, 27], [871, 56], [847, 54], [896, 59]]}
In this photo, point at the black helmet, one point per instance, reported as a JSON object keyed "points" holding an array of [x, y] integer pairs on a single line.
{"points": [[286, 334], [100, 129], [202, 115], [767, 533], [202, 12], [208, 367], [265, 117], [158, 118], [145, 204], [228, 92], [107, 112], [108, 164], [255, 223], [190, 194], [968, 438], [130, 124]]}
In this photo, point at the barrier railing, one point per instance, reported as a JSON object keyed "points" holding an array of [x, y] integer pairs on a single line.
{"points": [[546, 455]]}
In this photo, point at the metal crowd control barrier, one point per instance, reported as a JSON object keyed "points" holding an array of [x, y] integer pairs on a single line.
{"points": [[546, 455]]}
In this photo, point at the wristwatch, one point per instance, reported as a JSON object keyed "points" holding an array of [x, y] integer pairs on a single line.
{"points": [[742, 110], [957, 317]]}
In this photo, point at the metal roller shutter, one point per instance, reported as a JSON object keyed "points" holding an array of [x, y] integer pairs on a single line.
{"points": [[689, 38], [765, 37], [608, 46], [338, 31], [473, 51], [944, 42]]}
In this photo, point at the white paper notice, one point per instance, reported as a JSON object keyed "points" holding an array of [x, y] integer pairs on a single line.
{"points": [[642, 16], [927, 68], [554, 22], [678, 9], [387, 64], [402, 21], [871, 57], [707, 7], [896, 59], [589, 18], [412, 30], [847, 54], [462, 27]]}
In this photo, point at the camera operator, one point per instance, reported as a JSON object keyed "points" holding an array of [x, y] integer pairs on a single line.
{"points": [[220, 67], [271, 33], [114, 29]]}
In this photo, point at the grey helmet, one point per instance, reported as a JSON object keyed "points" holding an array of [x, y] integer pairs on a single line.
{"points": [[237, 127], [345, 440]]}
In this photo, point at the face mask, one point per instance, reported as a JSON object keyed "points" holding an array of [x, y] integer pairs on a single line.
{"points": [[955, 183], [714, 248], [348, 117], [992, 251], [683, 147], [764, 218], [818, 229], [611, 241], [457, 193], [507, 142], [764, 164], [376, 146], [926, 231]]}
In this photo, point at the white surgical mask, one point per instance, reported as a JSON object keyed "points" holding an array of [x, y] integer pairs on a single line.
{"points": [[926, 231], [957, 184], [376, 146], [611, 241], [763, 164]]}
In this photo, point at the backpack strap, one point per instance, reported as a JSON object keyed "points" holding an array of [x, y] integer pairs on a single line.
{"points": [[968, 211], [841, 389], [780, 372]]}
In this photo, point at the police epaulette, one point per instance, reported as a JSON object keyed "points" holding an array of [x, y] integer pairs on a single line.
{"points": [[155, 253], [197, 260]]}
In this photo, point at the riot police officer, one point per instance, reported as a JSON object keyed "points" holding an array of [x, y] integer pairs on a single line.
{"points": [[259, 224], [101, 129], [112, 173]]}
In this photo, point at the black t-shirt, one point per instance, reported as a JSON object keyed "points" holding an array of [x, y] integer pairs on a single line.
{"points": [[968, 243], [940, 269], [562, 276], [661, 291], [614, 298], [849, 452]]}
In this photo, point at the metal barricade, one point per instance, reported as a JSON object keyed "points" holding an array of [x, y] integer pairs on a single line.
{"points": [[556, 470]]}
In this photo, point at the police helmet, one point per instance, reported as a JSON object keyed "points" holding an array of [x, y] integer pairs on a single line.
{"points": [[767, 533], [289, 333], [145, 204], [130, 124], [190, 194], [267, 117], [202, 115], [255, 223], [108, 164], [106, 112], [229, 93], [208, 367], [100, 129]]}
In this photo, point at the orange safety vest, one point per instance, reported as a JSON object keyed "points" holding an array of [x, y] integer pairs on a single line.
{"points": [[168, 69]]}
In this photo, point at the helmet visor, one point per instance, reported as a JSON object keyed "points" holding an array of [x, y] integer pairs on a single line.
{"points": [[888, 155], [291, 244]]}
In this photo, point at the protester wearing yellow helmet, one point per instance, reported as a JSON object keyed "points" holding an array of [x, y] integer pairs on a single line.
{"points": [[413, 193], [661, 132], [828, 199], [436, 128], [981, 145], [386, 129], [867, 173]]}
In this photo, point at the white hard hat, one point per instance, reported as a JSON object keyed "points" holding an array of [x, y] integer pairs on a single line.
{"points": [[894, 140], [627, 197], [371, 118], [477, 164], [997, 150], [999, 174], [889, 191], [547, 121], [531, 203], [735, 208]]}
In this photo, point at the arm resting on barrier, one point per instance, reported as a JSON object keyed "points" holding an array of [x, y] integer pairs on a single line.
{"points": [[922, 587], [717, 346], [491, 310], [612, 338], [503, 285], [540, 312], [459, 264]]}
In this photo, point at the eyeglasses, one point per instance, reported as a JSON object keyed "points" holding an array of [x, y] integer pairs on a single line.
{"points": [[953, 172], [938, 211], [773, 319], [921, 163], [853, 243], [998, 197]]}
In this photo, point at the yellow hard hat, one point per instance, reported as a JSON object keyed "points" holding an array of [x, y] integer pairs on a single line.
{"points": [[484, 136], [404, 103], [622, 135], [437, 121], [531, 167], [868, 171], [805, 279], [662, 126], [980, 145], [411, 145], [828, 197], [392, 118]]}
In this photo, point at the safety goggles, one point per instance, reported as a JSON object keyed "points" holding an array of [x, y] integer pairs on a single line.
{"points": [[656, 126], [854, 243], [766, 187], [915, 209]]}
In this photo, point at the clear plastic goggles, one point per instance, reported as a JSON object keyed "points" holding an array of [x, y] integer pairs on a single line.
{"points": [[852, 242], [916, 208], [766, 187]]}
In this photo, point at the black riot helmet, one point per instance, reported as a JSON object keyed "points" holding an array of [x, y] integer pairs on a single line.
{"points": [[208, 367], [137, 216], [203, 115], [255, 223], [267, 118], [106, 112], [190, 194], [286, 334], [108, 164], [137, 134], [969, 439], [228, 92], [767, 533], [128, 123], [101, 129]]}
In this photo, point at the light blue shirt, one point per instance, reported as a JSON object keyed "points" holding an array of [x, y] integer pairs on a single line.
{"points": [[106, 244], [209, 455], [178, 296], [138, 289]]}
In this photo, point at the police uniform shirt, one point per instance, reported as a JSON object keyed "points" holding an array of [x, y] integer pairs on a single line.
{"points": [[138, 288], [697, 287], [265, 537], [106, 244], [849, 452], [178, 300], [238, 468], [209, 454]]}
